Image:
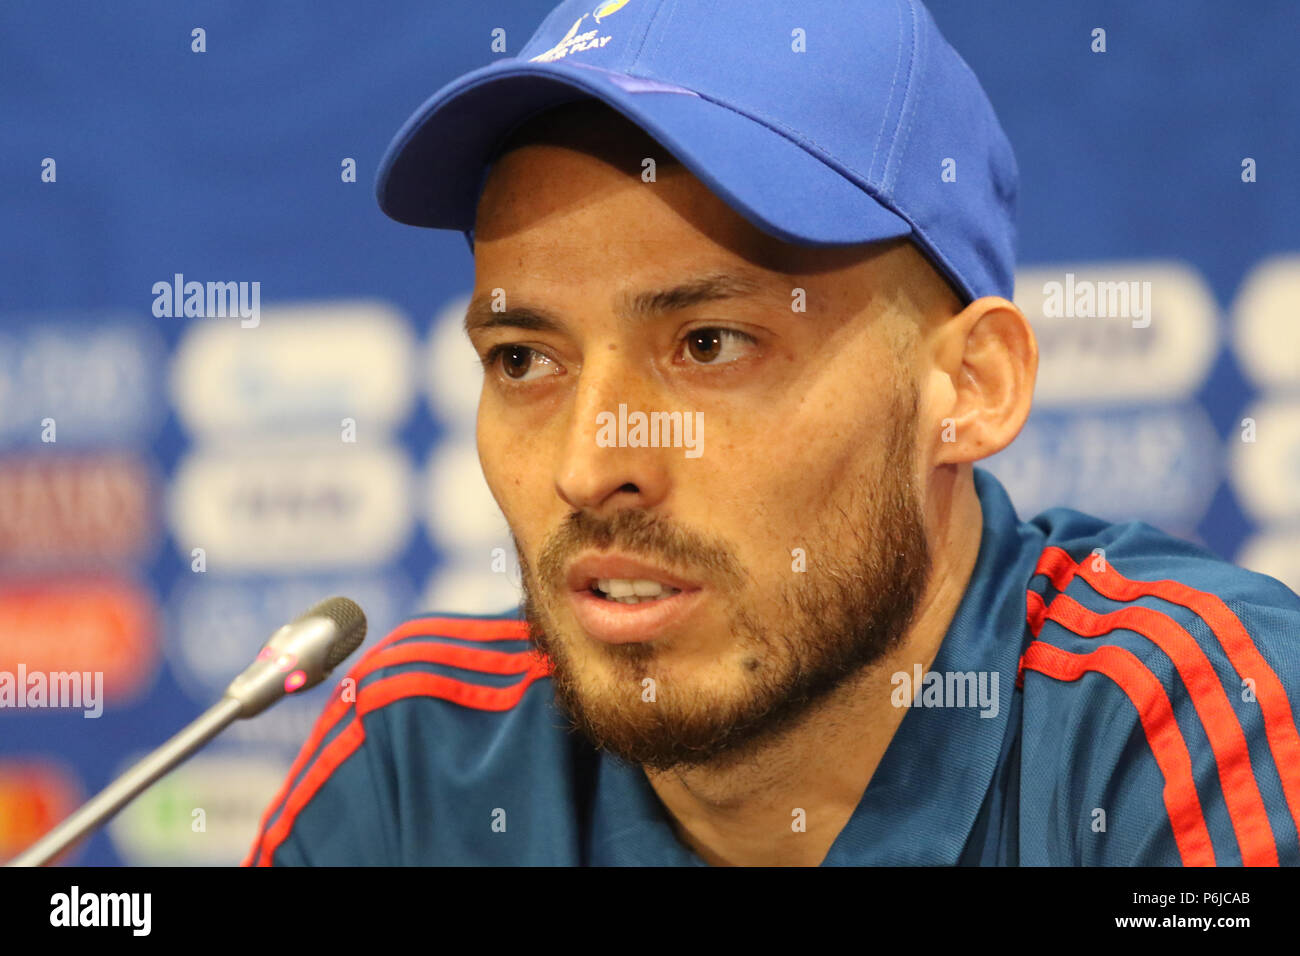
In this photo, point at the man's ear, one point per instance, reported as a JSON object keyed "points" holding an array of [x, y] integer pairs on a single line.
{"points": [[984, 361]]}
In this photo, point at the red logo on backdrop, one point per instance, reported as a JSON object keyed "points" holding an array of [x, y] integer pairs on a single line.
{"points": [[81, 624], [34, 796], [92, 506]]}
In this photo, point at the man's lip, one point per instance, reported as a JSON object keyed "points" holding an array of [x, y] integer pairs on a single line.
{"points": [[589, 569], [616, 623]]}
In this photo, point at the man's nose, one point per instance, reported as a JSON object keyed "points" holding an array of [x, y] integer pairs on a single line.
{"points": [[593, 475]]}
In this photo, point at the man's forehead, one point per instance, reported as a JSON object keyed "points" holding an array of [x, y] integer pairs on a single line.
{"points": [[558, 195], [547, 203], [587, 158]]}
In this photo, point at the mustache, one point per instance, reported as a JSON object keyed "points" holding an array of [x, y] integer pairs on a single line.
{"points": [[638, 533]]}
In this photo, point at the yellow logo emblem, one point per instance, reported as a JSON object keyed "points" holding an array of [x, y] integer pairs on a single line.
{"points": [[575, 42], [608, 7]]}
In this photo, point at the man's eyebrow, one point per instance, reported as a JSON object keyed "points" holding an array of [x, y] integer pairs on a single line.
{"points": [[641, 305], [480, 315], [706, 288]]}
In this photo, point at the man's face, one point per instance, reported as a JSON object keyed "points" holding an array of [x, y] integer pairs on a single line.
{"points": [[790, 547]]}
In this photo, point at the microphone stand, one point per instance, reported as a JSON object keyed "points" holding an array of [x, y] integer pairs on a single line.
{"points": [[126, 787]]}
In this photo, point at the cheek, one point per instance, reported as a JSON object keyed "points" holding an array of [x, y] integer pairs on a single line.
{"points": [[805, 458], [791, 491], [516, 470], [849, 428], [499, 466]]}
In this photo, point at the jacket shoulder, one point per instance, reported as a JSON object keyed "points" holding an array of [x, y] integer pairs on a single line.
{"points": [[417, 710], [479, 663], [1158, 686]]}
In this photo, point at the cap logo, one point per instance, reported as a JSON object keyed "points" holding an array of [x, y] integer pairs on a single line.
{"points": [[608, 7], [575, 42]]}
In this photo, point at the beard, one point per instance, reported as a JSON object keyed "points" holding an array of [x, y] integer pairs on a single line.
{"points": [[867, 568]]}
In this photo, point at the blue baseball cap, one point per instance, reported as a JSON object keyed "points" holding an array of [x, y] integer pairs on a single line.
{"points": [[822, 122]]}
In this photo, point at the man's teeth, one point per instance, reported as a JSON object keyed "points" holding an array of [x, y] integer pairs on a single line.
{"points": [[633, 590]]}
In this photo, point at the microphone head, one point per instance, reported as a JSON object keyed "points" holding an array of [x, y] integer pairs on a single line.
{"points": [[351, 622], [300, 655]]}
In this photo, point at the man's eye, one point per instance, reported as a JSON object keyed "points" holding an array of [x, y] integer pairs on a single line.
{"points": [[519, 363], [715, 346]]}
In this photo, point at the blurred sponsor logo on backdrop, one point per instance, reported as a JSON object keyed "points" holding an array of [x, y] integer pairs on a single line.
{"points": [[1265, 469], [1115, 429], [35, 794], [281, 477], [201, 814]]}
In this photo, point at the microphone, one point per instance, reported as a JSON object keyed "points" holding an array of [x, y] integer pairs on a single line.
{"points": [[297, 657]]}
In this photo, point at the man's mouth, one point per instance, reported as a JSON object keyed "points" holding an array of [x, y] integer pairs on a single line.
{"points": [[632, 590], [619, 599]]}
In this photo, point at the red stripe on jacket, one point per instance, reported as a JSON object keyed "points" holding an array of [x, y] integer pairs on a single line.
{"points": [[1157, 716], [492, 662], [1275, 707], [1227, 740]]}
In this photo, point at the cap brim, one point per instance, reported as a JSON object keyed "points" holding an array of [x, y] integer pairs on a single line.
{"points": [[431, 172]]}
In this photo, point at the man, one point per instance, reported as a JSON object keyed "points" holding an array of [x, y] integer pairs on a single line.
{"points": [[744, 337]]}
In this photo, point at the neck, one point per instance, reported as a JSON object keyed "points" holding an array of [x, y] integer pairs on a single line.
{"points": [[786, 802]]}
